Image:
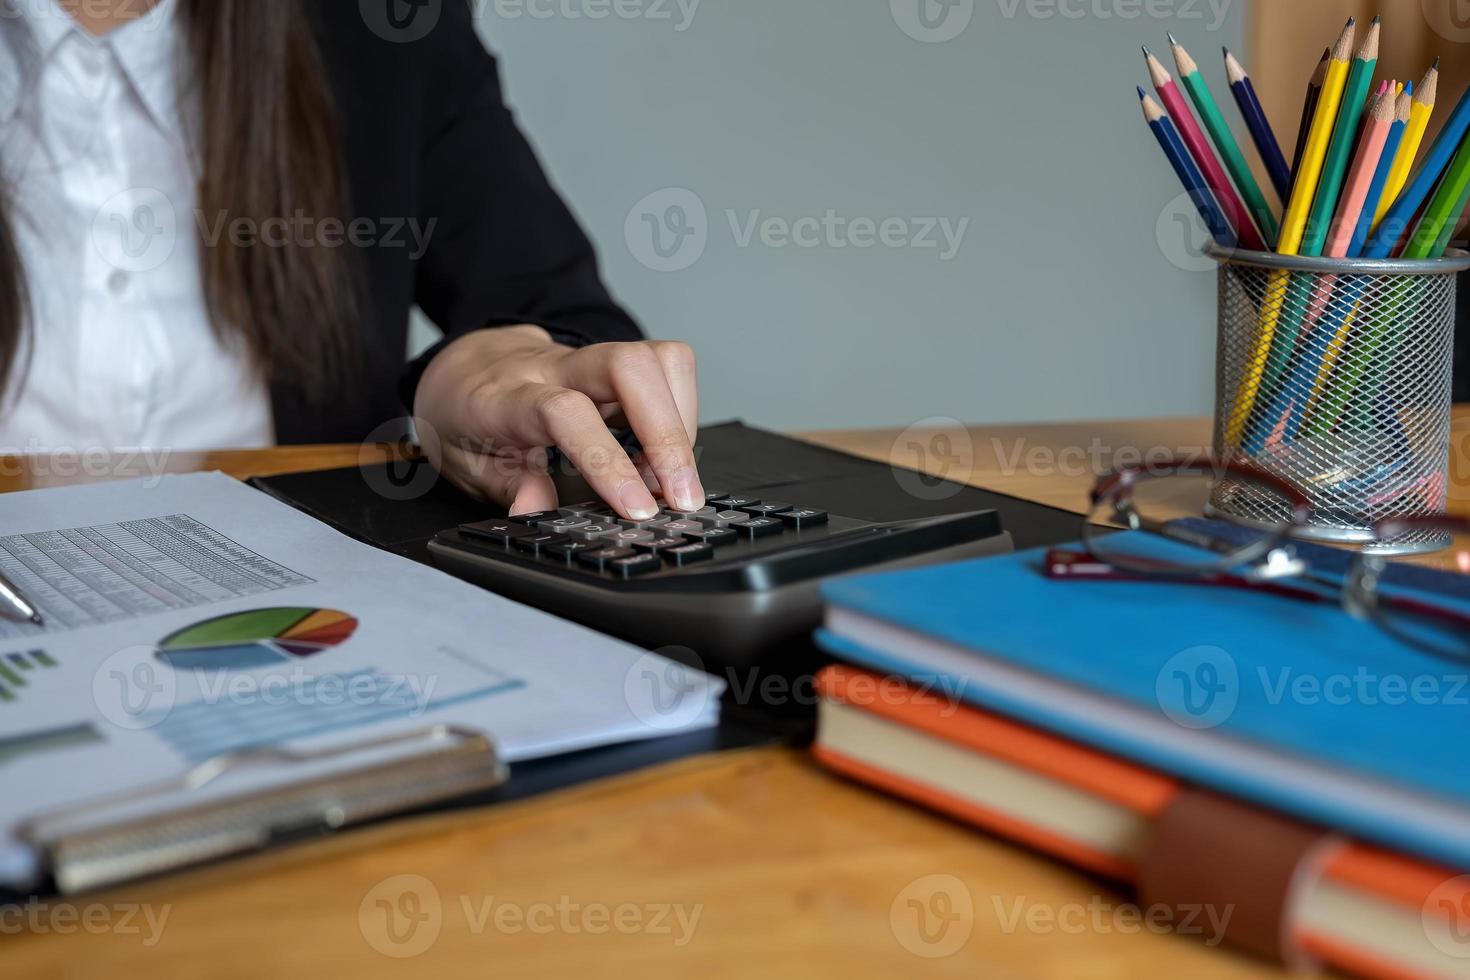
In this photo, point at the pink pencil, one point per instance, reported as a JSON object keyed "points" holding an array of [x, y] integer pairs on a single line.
{"points": [[1360, 177], [1199, 148], [1376, 124]]}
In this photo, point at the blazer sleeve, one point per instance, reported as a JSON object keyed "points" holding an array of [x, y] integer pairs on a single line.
{"points": [[505, 249]]}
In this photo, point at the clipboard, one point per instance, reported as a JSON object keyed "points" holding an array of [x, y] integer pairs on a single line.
{"points": [[82, 849]]}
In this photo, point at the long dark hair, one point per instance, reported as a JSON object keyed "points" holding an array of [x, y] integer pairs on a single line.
{"points": [[269, 147]]}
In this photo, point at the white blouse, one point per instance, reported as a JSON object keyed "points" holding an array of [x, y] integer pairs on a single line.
{"points": [[100, 181]]}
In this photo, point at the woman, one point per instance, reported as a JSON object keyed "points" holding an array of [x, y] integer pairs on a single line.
{"points": [[215, 216]]}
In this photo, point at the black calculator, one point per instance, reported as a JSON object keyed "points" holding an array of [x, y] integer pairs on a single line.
{"points": [[729, 583]]}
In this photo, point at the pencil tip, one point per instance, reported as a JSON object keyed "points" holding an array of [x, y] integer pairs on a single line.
{"points": [[36, 618], [1141, 93], [1146, 52], [1435, 66], [1377, 18], [1172, 39]]}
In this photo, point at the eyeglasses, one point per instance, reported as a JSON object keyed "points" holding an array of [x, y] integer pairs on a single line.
{"points": [[1261, 557]]}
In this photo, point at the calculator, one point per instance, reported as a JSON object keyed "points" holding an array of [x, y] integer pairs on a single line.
{"points": [[732, 583]]}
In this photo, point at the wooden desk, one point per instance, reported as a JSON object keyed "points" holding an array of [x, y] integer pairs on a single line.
{"points": [[792, 872]]}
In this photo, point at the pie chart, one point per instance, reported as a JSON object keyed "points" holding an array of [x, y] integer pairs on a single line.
{"points": [[258, 638]]}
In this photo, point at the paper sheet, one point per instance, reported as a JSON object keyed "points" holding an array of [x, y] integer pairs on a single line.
{"points": [[192, 615]]}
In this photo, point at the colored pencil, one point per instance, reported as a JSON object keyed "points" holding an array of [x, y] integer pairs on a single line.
{"points": [[1189, 173], [1319, 332], [1422, 184], [1432, 234], [1271, 352], [1199, 148], [1334, 168], [1329, 101], [1403, 112], [1403, 161], [1224, 140], [1380, 120], [1259, 125], [1309, 111]]}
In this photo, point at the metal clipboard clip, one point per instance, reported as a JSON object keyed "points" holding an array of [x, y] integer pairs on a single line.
{"points": [[81, 851]]}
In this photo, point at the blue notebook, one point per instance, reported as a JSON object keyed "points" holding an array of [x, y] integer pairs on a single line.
{"points": [[1296, 706]]}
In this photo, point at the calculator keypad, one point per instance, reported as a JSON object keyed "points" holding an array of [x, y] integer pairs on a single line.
{"points": [[591, 538]]}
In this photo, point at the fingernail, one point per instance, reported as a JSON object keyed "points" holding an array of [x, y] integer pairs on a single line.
{"points": [[637, 501], [685, 489]]}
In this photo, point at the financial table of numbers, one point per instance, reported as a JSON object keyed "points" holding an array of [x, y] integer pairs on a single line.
{"points": [[83, 576]]}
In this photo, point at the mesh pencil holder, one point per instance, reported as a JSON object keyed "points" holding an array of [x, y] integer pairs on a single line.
{"points": [[1335, 374]]}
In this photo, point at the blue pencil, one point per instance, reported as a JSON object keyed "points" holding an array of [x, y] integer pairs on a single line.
{"points": [[1188, 171], [1380, 176], [1260, 127], [1400, 217]]}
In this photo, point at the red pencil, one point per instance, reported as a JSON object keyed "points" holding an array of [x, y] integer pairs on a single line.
{"points": [[1199, 148]]}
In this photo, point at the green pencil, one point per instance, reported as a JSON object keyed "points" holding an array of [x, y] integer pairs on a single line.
{"points": [[1344, 136], [1224, 140], [1432, 235]]}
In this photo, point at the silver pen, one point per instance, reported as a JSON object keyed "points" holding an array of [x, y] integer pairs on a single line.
{"points": [[17, 601]]}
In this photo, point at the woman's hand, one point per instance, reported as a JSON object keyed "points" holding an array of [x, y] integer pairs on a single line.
{"points": [[495, 401]]}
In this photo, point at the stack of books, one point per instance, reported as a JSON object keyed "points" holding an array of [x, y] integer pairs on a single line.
{"points": [[1303, 772]]}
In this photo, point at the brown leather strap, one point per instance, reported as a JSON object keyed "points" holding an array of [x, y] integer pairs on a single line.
{"points": [[1216, 863]]}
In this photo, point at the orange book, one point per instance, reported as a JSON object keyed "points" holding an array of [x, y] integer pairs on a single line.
{"points": [[1367, 911]]}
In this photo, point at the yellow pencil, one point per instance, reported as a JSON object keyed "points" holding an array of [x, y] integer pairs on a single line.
{"points": [[1294, 226], [1403, 162]]}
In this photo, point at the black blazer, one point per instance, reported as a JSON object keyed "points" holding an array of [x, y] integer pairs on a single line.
{"points": [[427, 136]]}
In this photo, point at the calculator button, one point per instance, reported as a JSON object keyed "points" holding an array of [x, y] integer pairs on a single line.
{"points": [[803, 518], [688, 554], [594, 531], [724, 518], [599, 557], [561, 525], [501, 532], [659, 544], [627, 537], [568, 549], [681, 527], [651, 523], [766, 509], [592, 509], [716, 536], [758, 527], [534, 543], [693, 515], [636, 565], [736, 503], [533, 519]]}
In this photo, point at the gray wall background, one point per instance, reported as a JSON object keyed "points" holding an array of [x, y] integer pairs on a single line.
{"points": [[1076, 291]]}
